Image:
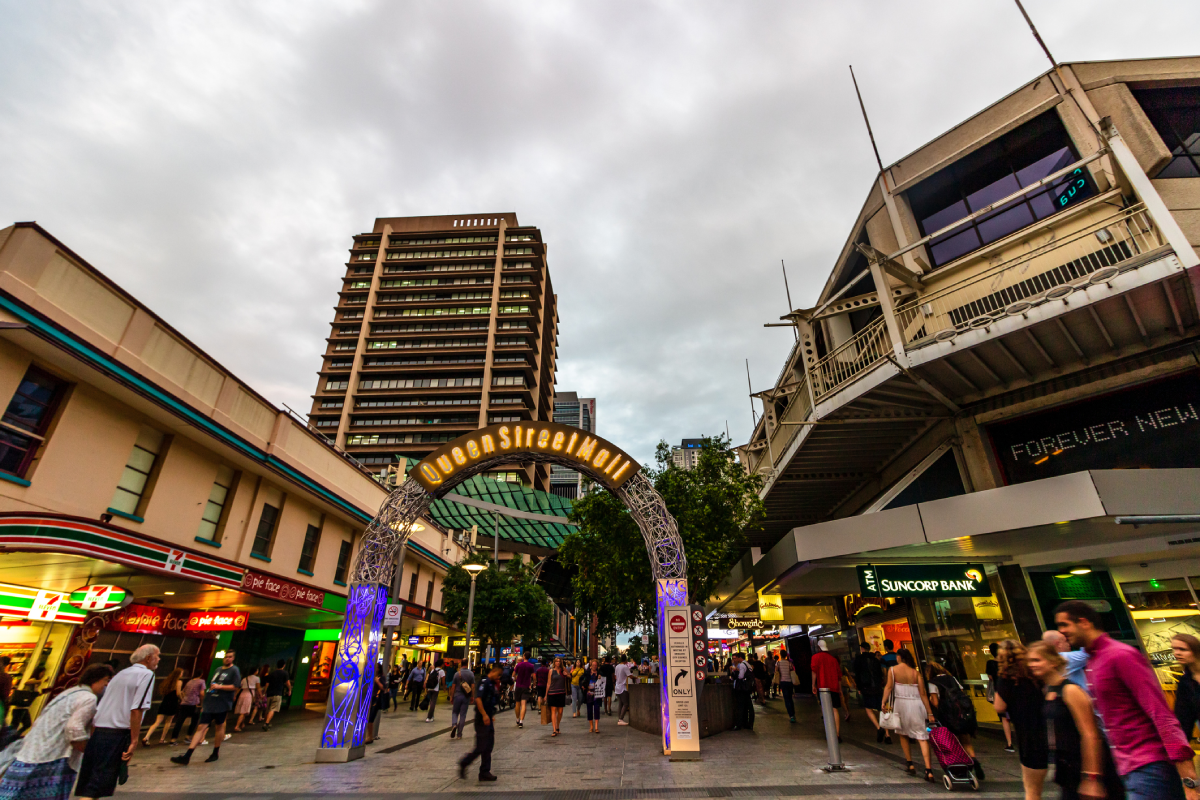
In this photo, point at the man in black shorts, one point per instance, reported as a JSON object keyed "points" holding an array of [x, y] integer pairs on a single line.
{"points": [[278, 684], [524, 679], [218, 702]]}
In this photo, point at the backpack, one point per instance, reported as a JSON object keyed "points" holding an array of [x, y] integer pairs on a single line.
{"points": [[431, 680], [955, 709]]}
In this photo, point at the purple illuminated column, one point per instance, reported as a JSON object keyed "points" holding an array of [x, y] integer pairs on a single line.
{"points": [[352, 682]]}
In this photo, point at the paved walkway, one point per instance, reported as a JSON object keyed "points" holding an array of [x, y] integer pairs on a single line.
{"points": [[414, 760]]}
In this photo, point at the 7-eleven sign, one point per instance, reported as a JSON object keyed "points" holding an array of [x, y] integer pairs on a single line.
{"points": [[100, 597], [175, 560], [45, 605]]}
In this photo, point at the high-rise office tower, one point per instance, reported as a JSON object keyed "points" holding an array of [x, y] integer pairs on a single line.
{"points": [[571, 409], [443, 325], [687, 455]]}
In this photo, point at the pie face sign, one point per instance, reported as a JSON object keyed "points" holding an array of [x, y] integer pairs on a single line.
{"points": [[923, 580], [576, 448], [217, 621]]}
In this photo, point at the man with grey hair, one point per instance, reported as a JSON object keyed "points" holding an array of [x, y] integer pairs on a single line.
{"points": [[118, 725], [1076, 659]]}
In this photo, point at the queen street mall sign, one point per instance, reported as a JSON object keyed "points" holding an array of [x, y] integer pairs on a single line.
{"points": [[923, 580]]}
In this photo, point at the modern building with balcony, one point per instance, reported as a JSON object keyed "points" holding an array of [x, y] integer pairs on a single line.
{"points": [[1000, 379], [443, 325], [571, 409], [687, 454]]}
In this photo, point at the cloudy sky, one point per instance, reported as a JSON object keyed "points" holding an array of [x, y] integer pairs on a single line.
{"points": [[214, 158]]}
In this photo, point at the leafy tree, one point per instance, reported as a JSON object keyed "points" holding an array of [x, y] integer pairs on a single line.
{"points": [[714, 503], [508, 603], [635, 651]]}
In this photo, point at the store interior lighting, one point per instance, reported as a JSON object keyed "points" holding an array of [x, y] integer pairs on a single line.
{"points": [[1081, 570], [1162, 613]]}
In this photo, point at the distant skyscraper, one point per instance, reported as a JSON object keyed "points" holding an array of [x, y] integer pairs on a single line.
{"points": [[687, 455], [443, 325], [571, 409]]}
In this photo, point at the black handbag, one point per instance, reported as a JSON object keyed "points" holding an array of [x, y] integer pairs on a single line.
{"points": [[424, 704]]}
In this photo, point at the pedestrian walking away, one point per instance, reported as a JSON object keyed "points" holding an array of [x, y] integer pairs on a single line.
{"points": [[378, 701], [576, 693], [540, 677], [278, 685], [433, 685], [117, 725], [827, 674], [610, 678], [868, 676], [52, 751], [787, 678], [246, 699], [462, 691], [523, 679], [1019, 697], [1148, 744], [1082, 767], [621, 689], [992, 670], [485, 700], [189, 707], [905, 689], [218, 702], [394, 678], [743, 706], [595, 696], [416, 685], [954, 710], [168, 693]]}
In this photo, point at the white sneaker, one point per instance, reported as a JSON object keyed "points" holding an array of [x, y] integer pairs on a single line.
{"points": [[227, 737], [622, 722], [204, 742], [428, 720]]}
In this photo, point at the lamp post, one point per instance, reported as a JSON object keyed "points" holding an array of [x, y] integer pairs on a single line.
{"points": [[474, 569]]}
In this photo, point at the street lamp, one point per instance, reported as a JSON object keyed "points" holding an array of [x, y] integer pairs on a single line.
{"points": [[474, 569]]}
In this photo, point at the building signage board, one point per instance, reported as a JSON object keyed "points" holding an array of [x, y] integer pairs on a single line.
{"points": [[598, 458], [770, 607], [100, 598], [278, 588], [424, 641], [460, 641], [138, 618], [680, 679], [217, 621], [1153, 426], [38, 605], [923, 580]]}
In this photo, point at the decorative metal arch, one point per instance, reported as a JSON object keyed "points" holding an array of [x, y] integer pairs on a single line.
{"points": [[358, 648]]}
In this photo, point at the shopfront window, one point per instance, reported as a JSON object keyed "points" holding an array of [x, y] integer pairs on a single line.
{"points": [[956, 632], [1160, 610]]}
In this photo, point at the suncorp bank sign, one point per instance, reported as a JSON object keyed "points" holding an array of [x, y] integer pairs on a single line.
{"points": [[923, 580]]}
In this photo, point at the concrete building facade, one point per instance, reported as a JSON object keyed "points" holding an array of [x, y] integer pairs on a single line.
{"points": [[687, 454], [1000, 379], [444, 324], [571, 409], [129, 457]]}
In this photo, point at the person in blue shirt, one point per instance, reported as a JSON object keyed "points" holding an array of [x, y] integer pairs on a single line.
{"points": [[1076, 659], [889, 657], [416, 684]]}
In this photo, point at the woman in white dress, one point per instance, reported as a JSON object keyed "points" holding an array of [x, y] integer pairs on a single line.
{"points": [[906, 689]]}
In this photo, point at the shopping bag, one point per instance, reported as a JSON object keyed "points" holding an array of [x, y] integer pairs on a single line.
{"points": [[545, 713]]}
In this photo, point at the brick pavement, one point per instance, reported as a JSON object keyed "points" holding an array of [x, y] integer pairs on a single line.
{"points": [[413, 761]]}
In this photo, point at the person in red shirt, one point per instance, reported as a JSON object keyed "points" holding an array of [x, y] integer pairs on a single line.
{"points": [[827, 674], [523, 676]]}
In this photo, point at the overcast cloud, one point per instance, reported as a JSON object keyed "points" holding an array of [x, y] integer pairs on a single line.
{"points": [[214, 158]]}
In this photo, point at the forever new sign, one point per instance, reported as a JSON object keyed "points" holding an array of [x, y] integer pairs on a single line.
{"points": [[569, 446], [923, 580]]}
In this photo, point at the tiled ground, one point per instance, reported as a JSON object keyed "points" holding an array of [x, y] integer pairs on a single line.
{"points": [[776, 759]]}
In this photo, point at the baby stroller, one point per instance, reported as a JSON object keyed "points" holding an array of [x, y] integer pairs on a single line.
{"points": [[958, 768]]}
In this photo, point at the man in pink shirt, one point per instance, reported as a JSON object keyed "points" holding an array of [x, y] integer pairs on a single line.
{"points": [[1150, 749], [523, 676]]}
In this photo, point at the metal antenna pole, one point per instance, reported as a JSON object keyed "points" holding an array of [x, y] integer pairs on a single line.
{"points": [[1036, 35], [753, 414], [791, 308], [870, 133]]}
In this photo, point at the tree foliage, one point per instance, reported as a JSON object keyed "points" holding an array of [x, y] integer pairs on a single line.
{"points": [[714, 503], [508, 602]]}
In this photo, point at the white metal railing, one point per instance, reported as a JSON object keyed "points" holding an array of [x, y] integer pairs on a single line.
{"points": [[1096, 250], [855, 355], [799, 409]]}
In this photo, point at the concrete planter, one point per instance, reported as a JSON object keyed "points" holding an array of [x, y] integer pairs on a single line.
{"points": [[716, 708]]}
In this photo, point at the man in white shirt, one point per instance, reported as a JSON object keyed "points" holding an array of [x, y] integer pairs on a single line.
{"points": [[433, 685], [621, 689], [118, 725]]}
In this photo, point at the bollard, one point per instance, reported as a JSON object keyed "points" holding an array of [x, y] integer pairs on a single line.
{"points": [[831, 738]]}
